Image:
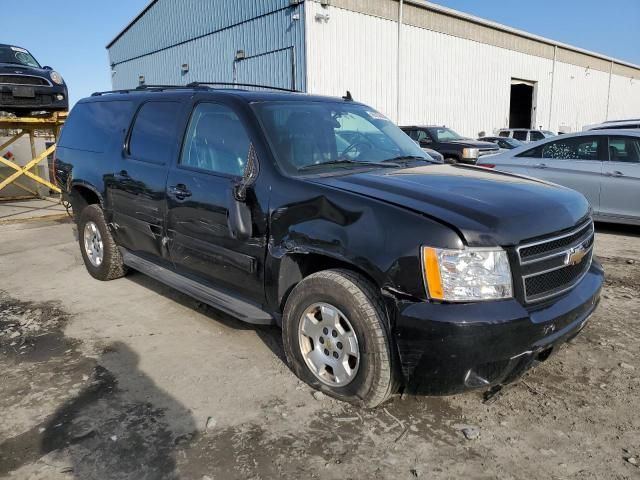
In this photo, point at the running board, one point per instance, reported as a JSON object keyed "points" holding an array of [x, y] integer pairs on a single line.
{"points": [[240, 309]]}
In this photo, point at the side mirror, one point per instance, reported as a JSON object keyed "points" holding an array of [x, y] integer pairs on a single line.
{"points": [[239, 217], [47, 67]]}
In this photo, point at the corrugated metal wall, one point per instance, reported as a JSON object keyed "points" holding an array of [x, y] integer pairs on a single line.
{"points": [[206, 34], [450, 80]]}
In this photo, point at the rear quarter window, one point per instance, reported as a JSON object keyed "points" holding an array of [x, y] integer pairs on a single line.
{"points": [[91, 126]]}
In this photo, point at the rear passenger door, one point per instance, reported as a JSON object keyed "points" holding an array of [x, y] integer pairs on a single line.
{"points": [[199, 196], [574, 162], [138, 188], [620, 195]]}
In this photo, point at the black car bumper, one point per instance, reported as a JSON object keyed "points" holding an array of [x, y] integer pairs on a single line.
{"points": [[20, 98], [449, 348]]}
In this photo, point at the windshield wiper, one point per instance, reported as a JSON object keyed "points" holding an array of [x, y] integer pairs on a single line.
{"points": [[405, 158], [345, 161]]}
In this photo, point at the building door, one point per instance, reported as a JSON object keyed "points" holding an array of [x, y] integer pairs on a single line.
{"points": [[274, 69], [521, 104]]}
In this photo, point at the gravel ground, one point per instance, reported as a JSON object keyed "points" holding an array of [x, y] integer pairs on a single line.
{"points": [[131, 380]]}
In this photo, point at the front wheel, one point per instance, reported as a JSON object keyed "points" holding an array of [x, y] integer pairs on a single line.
{"points": [[336, 338]]}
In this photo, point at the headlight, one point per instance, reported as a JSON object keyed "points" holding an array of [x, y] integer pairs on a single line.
{"points": [[467, 275], [470, 153], [56, 77]]}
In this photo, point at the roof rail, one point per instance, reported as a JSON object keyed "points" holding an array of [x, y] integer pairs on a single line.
{"points": [[192, 85], [231, 84]]}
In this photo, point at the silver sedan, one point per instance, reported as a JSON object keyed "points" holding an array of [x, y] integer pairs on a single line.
{"points": [[602, 165]]}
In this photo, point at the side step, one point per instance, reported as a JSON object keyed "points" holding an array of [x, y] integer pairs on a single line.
{"points": [[240, 309]]}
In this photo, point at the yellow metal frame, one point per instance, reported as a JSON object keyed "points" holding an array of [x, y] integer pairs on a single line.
{"points": [[29, 126]]}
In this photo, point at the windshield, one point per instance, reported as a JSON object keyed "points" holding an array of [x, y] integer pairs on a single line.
{"points": [[444, 134], [327, 135], [17, 55], [549, 133], [512, 141]]}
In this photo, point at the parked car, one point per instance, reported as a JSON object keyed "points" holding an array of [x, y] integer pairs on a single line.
{"points": [[614, 125], [602, 165], [504, 143], [381, 267], [525, 134], [27, 87], [453, 147]]}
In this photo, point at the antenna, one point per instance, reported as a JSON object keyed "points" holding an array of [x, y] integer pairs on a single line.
{"points": [[348, 97]]}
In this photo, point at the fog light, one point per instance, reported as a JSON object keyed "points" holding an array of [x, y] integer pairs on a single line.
{"points": [[59, 97]]}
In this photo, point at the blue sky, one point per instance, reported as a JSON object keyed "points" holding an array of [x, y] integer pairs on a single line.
{"points": [[71, 35]]}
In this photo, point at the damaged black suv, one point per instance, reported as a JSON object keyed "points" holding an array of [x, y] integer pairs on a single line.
{"points": [[321, 216], [26, 87]]}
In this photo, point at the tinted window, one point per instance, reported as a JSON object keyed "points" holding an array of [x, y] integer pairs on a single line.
{"points": [[535, 136], [520, 135], [624, 149], [504, 133], [576, 148], [422, 136], [92, 126], [216, 140], [155, 132]]}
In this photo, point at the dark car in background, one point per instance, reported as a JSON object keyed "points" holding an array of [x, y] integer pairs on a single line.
{"points": [[504, 143], [27, 87], [453, 147], [321, 216]]}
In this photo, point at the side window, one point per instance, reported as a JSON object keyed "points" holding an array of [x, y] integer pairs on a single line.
{"points": [[92, 125], [534, 135], [504, 133], [533, 153], [154, 132], [520, 135], [423, 136], [216, 140], [413, 134], [576, 148], [624, 149]]}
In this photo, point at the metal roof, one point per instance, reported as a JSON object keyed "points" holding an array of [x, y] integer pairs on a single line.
{"points": [[450, 12]]}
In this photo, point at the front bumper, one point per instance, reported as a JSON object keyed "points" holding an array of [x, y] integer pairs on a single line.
{"points": [[13, 98], [449, 348]]}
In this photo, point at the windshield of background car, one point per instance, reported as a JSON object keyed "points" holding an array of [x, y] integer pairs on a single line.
{"points": [[513, 142], [18, 56], [444, 134], [304, 135]]}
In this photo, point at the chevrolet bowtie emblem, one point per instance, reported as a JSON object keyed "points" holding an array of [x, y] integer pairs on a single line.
{"points": [[575, 255]]}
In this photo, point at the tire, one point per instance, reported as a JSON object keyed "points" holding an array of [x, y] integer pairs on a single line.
{"points": [[451, 160], [373, 375], [111, 265]]}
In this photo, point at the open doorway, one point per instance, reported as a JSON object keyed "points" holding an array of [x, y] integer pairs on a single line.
{"points": [[521, 105]]}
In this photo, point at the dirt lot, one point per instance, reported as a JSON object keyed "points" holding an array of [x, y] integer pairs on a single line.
{"points": [[131, 380]]}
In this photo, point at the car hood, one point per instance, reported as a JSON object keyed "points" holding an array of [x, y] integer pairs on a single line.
{"points": [[487, 208], [15, 68]]}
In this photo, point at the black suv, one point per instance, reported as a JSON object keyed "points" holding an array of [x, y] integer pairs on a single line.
{"points": [[26, 87], [321, 216], [453, 147]]}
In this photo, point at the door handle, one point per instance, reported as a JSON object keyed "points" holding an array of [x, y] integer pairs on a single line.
{"points": [[540, 165], [179, 191], [615, 173]]}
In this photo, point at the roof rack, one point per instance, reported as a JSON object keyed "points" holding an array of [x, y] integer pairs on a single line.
{"points": [[231, 84], [192, 85]]}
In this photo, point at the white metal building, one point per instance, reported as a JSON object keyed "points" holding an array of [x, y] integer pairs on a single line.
{"points": [[414, 61]]}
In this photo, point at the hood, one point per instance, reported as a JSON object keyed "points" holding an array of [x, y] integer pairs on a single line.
{"points": [[487, 208], [470, 143], [15, 68]]}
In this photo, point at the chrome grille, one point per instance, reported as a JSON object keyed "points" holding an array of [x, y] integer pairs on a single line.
{"points": [[24, 80], [554, 265]]}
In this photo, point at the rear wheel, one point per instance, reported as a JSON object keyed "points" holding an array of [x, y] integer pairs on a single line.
{"points": [[99, 251], [336, 338], [450, 160]]}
